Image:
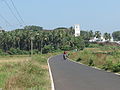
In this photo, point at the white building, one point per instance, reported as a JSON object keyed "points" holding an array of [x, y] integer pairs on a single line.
{"points": [[101, 39], [77, 30]]}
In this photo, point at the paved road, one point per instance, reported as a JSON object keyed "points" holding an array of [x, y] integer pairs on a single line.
{"points": [[68, 75]]}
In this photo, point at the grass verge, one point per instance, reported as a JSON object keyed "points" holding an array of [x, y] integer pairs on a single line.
{"points": [[98, 57], [23, 73]]}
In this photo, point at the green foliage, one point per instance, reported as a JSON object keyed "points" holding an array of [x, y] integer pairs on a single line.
{"points": [[108, 65], [94, 45], [35, 51], [79, 59], [3, 77], [105, 57], [66, 47], [97, 34], [17, 51], [107, 36], [90, 62], [47, 49], [116, 67], [33, 28], [1, 52], [19, 41], [27, 75], [116, 35], [85, 35]]}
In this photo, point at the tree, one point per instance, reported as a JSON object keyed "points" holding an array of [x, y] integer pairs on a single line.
{"points": [[91, 34], [19, 40], [84, 35], [116, 35], [33, 28], [97, 34], [107, 36]]}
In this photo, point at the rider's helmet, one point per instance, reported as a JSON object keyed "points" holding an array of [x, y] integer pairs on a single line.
{"points": [[65, 52]]}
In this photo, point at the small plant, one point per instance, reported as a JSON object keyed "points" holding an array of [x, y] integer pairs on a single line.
{"points": [[94, 46], [79, 59], [116, 67], [90, 62], [108, 65]]}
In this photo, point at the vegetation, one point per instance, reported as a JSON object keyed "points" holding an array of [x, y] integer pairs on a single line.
{"points": [[116, 35], [107, 36], [105, 57], [21, 73], [44, 41], [18, 71]]}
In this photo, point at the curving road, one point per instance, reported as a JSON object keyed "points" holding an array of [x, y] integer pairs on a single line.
{"points": [[68, 75]]}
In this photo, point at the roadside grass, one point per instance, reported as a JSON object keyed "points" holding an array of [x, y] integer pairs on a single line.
{"points": [[107, 58], [25, 73]]}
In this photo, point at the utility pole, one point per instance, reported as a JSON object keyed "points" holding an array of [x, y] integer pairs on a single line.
{"points": [[31, 47], [41, 46]]}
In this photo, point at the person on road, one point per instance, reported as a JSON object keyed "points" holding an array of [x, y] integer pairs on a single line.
{"points": [[65, 55]]}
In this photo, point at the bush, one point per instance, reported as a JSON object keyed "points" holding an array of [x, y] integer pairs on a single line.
{"points": [[13, 51], [94, 45], [108, 65], [66, 47], [116, 67], [79, 59], [1, 52], [17, 51], [90, 62], [35, 51], [47, 49]]}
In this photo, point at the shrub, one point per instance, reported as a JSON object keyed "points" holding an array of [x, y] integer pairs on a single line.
{"points": [[79, 59], [108, 65], [13, 51], [35, 51], [1, 52], [90, 62], [94, 45], [17, 51], [47, 49], [66, 47], [116, 67]]}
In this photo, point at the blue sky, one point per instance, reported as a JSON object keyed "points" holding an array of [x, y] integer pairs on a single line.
{"points": [[102, 15]]}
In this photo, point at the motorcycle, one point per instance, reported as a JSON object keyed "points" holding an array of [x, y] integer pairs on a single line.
{"points": [[64, 56]]}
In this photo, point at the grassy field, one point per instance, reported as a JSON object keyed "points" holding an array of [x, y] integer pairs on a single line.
{"points": [[23, 73], [104, 57]]}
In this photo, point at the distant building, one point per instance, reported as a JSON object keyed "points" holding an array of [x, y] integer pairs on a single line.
{"points": [[77, 30], [101, 39]]}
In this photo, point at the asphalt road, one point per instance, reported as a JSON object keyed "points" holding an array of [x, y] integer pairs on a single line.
{"points": [[68, 75]]}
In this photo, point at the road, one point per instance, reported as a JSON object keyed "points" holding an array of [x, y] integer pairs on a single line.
{"points": [[68, 75]]}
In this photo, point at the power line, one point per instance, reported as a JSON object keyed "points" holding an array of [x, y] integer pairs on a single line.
{"points": [[17, 11], [12, 12], [5, 20]]}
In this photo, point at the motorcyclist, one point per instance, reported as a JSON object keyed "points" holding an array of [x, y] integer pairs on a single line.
{"points": [[65, 55]]}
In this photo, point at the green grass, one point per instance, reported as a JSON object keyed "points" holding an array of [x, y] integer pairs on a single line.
{"points": [[32, 74], [101, 57]]}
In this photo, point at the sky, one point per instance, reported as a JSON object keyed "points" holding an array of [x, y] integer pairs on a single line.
{"points": [[96, 15]]}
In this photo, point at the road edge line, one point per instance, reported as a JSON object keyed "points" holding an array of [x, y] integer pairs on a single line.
{"points": [[93, 67], [51, 76]]}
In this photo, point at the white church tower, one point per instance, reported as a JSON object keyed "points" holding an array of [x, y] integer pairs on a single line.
{"points": [[77, 30]]}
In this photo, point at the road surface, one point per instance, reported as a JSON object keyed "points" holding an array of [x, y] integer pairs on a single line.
{"points": [[68, 75]]}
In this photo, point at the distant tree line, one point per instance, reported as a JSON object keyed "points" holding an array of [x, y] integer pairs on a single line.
{"points": [[44, 41]]}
